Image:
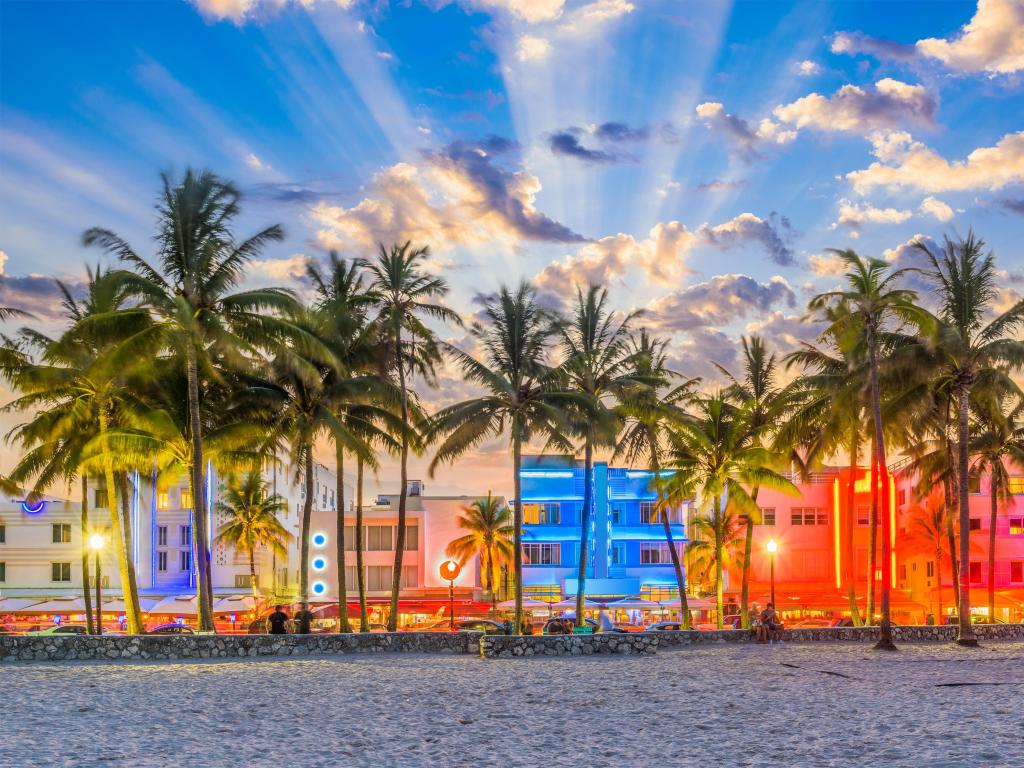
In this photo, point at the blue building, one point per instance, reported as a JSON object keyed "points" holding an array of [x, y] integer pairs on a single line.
{"points": [[629, 553]]}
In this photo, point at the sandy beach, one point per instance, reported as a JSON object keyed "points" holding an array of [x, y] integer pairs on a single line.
{"points": [[792, 705]]}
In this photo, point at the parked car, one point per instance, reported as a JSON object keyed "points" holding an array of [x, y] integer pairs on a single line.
{"points": [[171, 629], [486, 626], [664, 626], [564, 627], [61, 629], [812, 624]]}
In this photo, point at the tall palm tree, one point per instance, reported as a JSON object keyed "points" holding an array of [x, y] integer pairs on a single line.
{"points": [[252, 521], [406, 295], [756, 389], [75, 387], [597, 365], [521, 393], [871, 303], [928, 526], [974, 351], [488, 523], [999, 440], [716, 542], [197, 317], [648, 411], [718, 454]]}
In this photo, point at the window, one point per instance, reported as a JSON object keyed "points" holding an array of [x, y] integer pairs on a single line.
{"points": [[974, 484], [654, 553], [1016, 485], [975, 573], [648, 515], [409, 574], [60, 571], [378, 538], [350, 538], [351, 576], [61, 533], [184, 561], [542, 554], [3, 572], [412, 538], [161, 561], [930, 570], [378, 578], [1016, 527], [186, 498], [903, 571], [617, 515], [975, 524], [618, 554], [901, 498], [863, 515], [161, 535], [808, 516], [163, 500], [767, 515], [243, 580], [549, 513], [99, 497], [185, 535], [3, 534], [1016, 571]]}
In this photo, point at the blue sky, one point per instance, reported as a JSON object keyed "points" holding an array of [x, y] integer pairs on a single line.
{"points": [[697, 157]]}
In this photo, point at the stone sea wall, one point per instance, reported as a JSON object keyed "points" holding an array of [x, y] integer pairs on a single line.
{"points": [[143, 647], [909, 634], [613, 644]]}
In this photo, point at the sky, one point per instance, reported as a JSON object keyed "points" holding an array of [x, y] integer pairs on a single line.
{"points": [[697, 158]]}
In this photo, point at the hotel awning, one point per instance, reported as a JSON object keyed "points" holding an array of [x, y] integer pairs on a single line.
{"points": [[184, 605], [57, 605]]}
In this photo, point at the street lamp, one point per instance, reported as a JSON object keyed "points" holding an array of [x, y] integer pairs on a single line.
{"points": [[772, 548], [96, 545], [450, 571]]}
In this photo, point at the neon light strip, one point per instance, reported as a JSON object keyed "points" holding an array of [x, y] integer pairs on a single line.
{"points": [[39, 507], [135, 521], [545, 473], [192, 549], [209, 507], [892, 527], [152, 534], [835, 507]]}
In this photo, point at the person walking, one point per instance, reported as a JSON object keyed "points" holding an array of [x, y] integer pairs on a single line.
{"points": [[277, 621]]}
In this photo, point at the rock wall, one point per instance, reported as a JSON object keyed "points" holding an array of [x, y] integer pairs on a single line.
{"points": [[633, 644], [136, 647], [909, 634]]}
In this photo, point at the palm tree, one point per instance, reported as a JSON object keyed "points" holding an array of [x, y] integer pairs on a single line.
{"points": [[521, 392], [75, 386], [757, 390], [717, 453], [999, 440], [974, 352], [488, 522], [720, 542], [188, 293], [252, 521], [405, 295], [928, 525], [870, 304], [598, 366], [648, 412]]}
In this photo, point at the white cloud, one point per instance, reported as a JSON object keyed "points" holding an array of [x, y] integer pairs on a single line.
{"points": [[935, 207], [911, 164], [774, 234], [423, 129], [718, 301], [385, 55], [853, 216], [532, 48], [993, 40], [670, 188], [530, 11], [826, 264], [241, 11], [255, 163], [807, 68], [748, 139], [891, 103], [3, 261]]}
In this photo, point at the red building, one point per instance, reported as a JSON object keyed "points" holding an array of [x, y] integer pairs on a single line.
{"points": [[823, 545]]}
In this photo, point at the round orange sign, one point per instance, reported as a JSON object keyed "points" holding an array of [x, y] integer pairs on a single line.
{"points": [[450, 570]]}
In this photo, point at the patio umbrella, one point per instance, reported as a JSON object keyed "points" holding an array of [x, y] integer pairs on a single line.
{"points": [[117, 605], [16, 604], [184, 605], [529, 604], [235, 604], [570, 602], [57, 605], [633, 603]]}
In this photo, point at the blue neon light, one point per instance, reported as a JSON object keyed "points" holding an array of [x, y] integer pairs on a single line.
{"points": [[319, 588], [30, 510], [319, 563], [319, 539]]}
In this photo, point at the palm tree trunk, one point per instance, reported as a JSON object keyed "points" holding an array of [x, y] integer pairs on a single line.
{"points": [[130, 597], [204, 591], [950, 504], [343, 623], [128, 534], [85, 555], [851, 512], [885, 636], [252, 576], [684, 605], [938, 575], [517, 525], [307, 514], [992, 546], [719, 556], [748, 549], [873, 536], [364, 621], [588, 501], [966, 634], [396, 576]]}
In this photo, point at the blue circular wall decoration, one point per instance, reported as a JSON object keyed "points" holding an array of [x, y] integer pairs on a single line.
{"points": [[28, 509]]}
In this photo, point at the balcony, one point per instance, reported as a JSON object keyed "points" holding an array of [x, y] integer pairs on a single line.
{"points": [[551, 533], [647, 532]]}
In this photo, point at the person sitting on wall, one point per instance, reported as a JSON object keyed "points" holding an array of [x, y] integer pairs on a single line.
{"points": [[771, 626]]}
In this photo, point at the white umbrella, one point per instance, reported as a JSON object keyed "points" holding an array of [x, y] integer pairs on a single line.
{"points": [[57, 605], [528, 602], [235, 604], [570, 602], [633, 603], [185, 605], [117, 605], [16, 604]]}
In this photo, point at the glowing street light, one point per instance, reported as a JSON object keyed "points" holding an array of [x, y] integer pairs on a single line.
{"points": [[772, 548], [450, 570], [96, 542]]}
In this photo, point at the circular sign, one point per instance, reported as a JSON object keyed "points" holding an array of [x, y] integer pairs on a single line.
{"points": [[31, 507], [450, 570]]}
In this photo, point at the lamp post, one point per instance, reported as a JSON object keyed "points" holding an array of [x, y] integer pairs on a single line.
{"points": [[772, 548], [450, 571], [96, 545]]}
